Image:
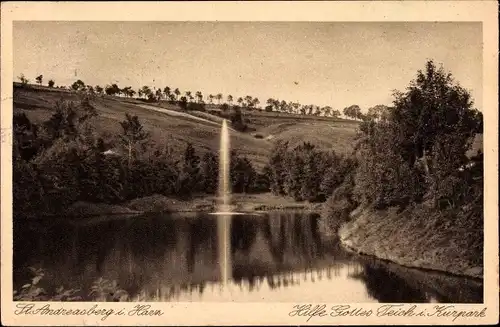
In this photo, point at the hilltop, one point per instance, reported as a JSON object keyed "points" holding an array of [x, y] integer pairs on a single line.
{"points": [[169, 123]]}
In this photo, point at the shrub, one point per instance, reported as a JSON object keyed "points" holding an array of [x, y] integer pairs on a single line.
{"points": [[196, 106], [237, 120], [102, 290], [338, 207], [183, 103]]}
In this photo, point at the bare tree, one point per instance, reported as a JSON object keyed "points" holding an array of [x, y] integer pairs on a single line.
{"points": [[199, 96], [177, 92]]}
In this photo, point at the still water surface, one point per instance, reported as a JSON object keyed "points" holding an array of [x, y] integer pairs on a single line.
{"points": [[198, 257]]}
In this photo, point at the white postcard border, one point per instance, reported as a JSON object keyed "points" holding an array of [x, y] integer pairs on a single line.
{"points": [[178, 313]]}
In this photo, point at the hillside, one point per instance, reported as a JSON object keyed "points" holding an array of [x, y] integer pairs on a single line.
{"points": [[168, 123]]}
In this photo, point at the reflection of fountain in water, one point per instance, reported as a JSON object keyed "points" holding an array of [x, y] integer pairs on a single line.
{"points": [[223, 228]]}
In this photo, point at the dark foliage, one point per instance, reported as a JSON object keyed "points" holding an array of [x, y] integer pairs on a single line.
{"points": [[418, 150], [237, 120], [183, 103], [196, 106], [305, 172]]}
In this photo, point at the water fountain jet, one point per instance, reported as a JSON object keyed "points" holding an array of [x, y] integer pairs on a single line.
{"points": [[224, 191], [224, 205], [224, 211]]}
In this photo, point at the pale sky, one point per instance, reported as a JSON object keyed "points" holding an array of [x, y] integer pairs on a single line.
{"points": [[334, 63]]}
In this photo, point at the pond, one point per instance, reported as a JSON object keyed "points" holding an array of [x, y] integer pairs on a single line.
{"points": [[270, 257]]}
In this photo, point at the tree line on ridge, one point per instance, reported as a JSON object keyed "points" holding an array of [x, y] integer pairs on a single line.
{"points": [[198, 100]]}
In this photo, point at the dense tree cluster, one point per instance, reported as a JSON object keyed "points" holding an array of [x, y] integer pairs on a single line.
{"points": [[297, 108], [416, 150], [305, 172], [413, 156], [353, 111]]}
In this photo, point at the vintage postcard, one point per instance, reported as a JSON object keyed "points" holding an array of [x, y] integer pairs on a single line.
{"points": [[249, 163]]}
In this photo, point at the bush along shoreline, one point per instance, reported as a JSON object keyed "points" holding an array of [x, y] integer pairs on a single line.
{"points": [[417, 190]]}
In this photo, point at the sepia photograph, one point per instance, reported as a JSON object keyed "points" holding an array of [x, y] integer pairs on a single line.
{"points": [[247, 162]]}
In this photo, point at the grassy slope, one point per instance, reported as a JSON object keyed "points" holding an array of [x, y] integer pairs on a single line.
{"points": [[418, 237], [337, 134]]}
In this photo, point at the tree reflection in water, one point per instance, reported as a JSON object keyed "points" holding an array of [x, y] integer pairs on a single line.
{"points": [[386, 287], [161, 257], [388, 282]]}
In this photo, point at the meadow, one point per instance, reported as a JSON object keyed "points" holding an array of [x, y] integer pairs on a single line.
{"points": [[38, 103]]}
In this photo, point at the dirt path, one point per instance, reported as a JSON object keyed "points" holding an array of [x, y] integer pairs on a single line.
{"points": [[177, 114]]}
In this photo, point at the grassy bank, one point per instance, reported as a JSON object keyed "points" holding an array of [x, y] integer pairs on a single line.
{"points": [[419, 237], [202, 203]]}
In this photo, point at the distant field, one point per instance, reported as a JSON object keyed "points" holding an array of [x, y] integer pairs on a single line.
{"points": [[201, 129]]}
